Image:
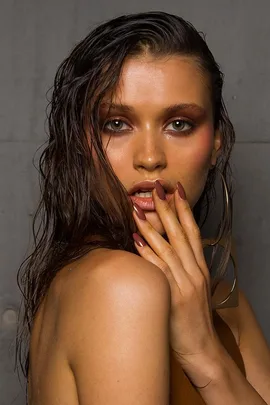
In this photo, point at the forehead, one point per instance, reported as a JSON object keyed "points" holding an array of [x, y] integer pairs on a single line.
{"points": [[160, 81]]}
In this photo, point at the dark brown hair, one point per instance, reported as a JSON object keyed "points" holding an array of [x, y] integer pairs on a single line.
{"points": [[81, 196]]}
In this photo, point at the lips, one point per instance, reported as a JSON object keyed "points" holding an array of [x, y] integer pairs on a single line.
{"points": [[147, 203], [149, 185]]}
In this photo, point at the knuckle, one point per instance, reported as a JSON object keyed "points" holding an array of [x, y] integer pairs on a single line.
{"points": [[196, 231], [166, 269], [166, 208], [169, 252], [185, 238], [190, 292], [186, 208], [174, 235], [200, 281]]}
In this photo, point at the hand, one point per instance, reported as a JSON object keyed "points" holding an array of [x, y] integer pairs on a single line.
{"points": [[193, 338]]}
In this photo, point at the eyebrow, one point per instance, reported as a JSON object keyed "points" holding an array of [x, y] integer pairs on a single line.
{"points": [[171, 109]]}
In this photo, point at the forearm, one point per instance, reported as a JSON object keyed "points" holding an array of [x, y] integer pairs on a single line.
{"points": [[229, 386]]}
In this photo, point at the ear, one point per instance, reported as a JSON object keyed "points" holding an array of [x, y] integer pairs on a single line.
{"points": [[217, 147]]}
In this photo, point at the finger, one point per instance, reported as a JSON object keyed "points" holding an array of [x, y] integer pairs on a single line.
{"points": [[176, 235], [147, 253], [190, 227], [164, 251]]}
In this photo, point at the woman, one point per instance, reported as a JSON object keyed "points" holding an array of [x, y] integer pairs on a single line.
{"points": [[137, 108]]}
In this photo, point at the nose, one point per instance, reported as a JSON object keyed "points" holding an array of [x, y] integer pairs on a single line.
{"points": [[149, 151]]}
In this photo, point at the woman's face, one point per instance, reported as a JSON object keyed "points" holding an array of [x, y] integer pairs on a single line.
{"points": [[161, 126]]}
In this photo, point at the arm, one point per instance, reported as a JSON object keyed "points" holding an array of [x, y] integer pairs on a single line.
{"points": [[119, 342], [229, 386]]}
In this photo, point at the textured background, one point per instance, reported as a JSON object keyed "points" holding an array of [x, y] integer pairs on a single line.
{"points": [[35, 36]]}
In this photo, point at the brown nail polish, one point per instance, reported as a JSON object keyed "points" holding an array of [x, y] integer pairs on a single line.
{"points": [[139, 211], [181, 191], [160, 190], [140, 242]]}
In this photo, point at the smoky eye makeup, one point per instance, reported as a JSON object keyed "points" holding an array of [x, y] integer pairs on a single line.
{"points": [[115, 125], [180, 125], [177, 118], [192, 114], [174, 126]]}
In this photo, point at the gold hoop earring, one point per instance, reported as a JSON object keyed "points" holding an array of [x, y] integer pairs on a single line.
{"points": [[232, 298]]}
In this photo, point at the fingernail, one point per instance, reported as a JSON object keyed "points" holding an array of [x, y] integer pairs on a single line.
{"points": [[139, 211], [181, 191], [160, 190], [140, 242]]}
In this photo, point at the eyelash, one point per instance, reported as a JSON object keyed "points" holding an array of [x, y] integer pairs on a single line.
{"points": [[187, 131]]}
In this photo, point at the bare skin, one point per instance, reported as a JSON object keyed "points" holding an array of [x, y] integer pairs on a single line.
{"points": [[63, 335], [51, 375]]}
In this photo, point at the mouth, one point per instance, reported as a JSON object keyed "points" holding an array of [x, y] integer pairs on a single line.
{"points": [[145, 200]]}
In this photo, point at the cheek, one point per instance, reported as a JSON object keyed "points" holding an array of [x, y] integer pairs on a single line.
{"points": [[115, 152], [201, 156], [196, 164], [201, 149], [118, 159]]}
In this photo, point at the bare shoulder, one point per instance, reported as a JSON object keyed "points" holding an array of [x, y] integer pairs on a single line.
{"points": [[114, 315], [111, 269], [108, 277]]}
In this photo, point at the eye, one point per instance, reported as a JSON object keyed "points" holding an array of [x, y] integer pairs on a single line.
{"points": [[115, 125], [181, 126]]}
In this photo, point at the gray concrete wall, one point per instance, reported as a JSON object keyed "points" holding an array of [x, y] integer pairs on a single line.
{"points": [[35, 36]]}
